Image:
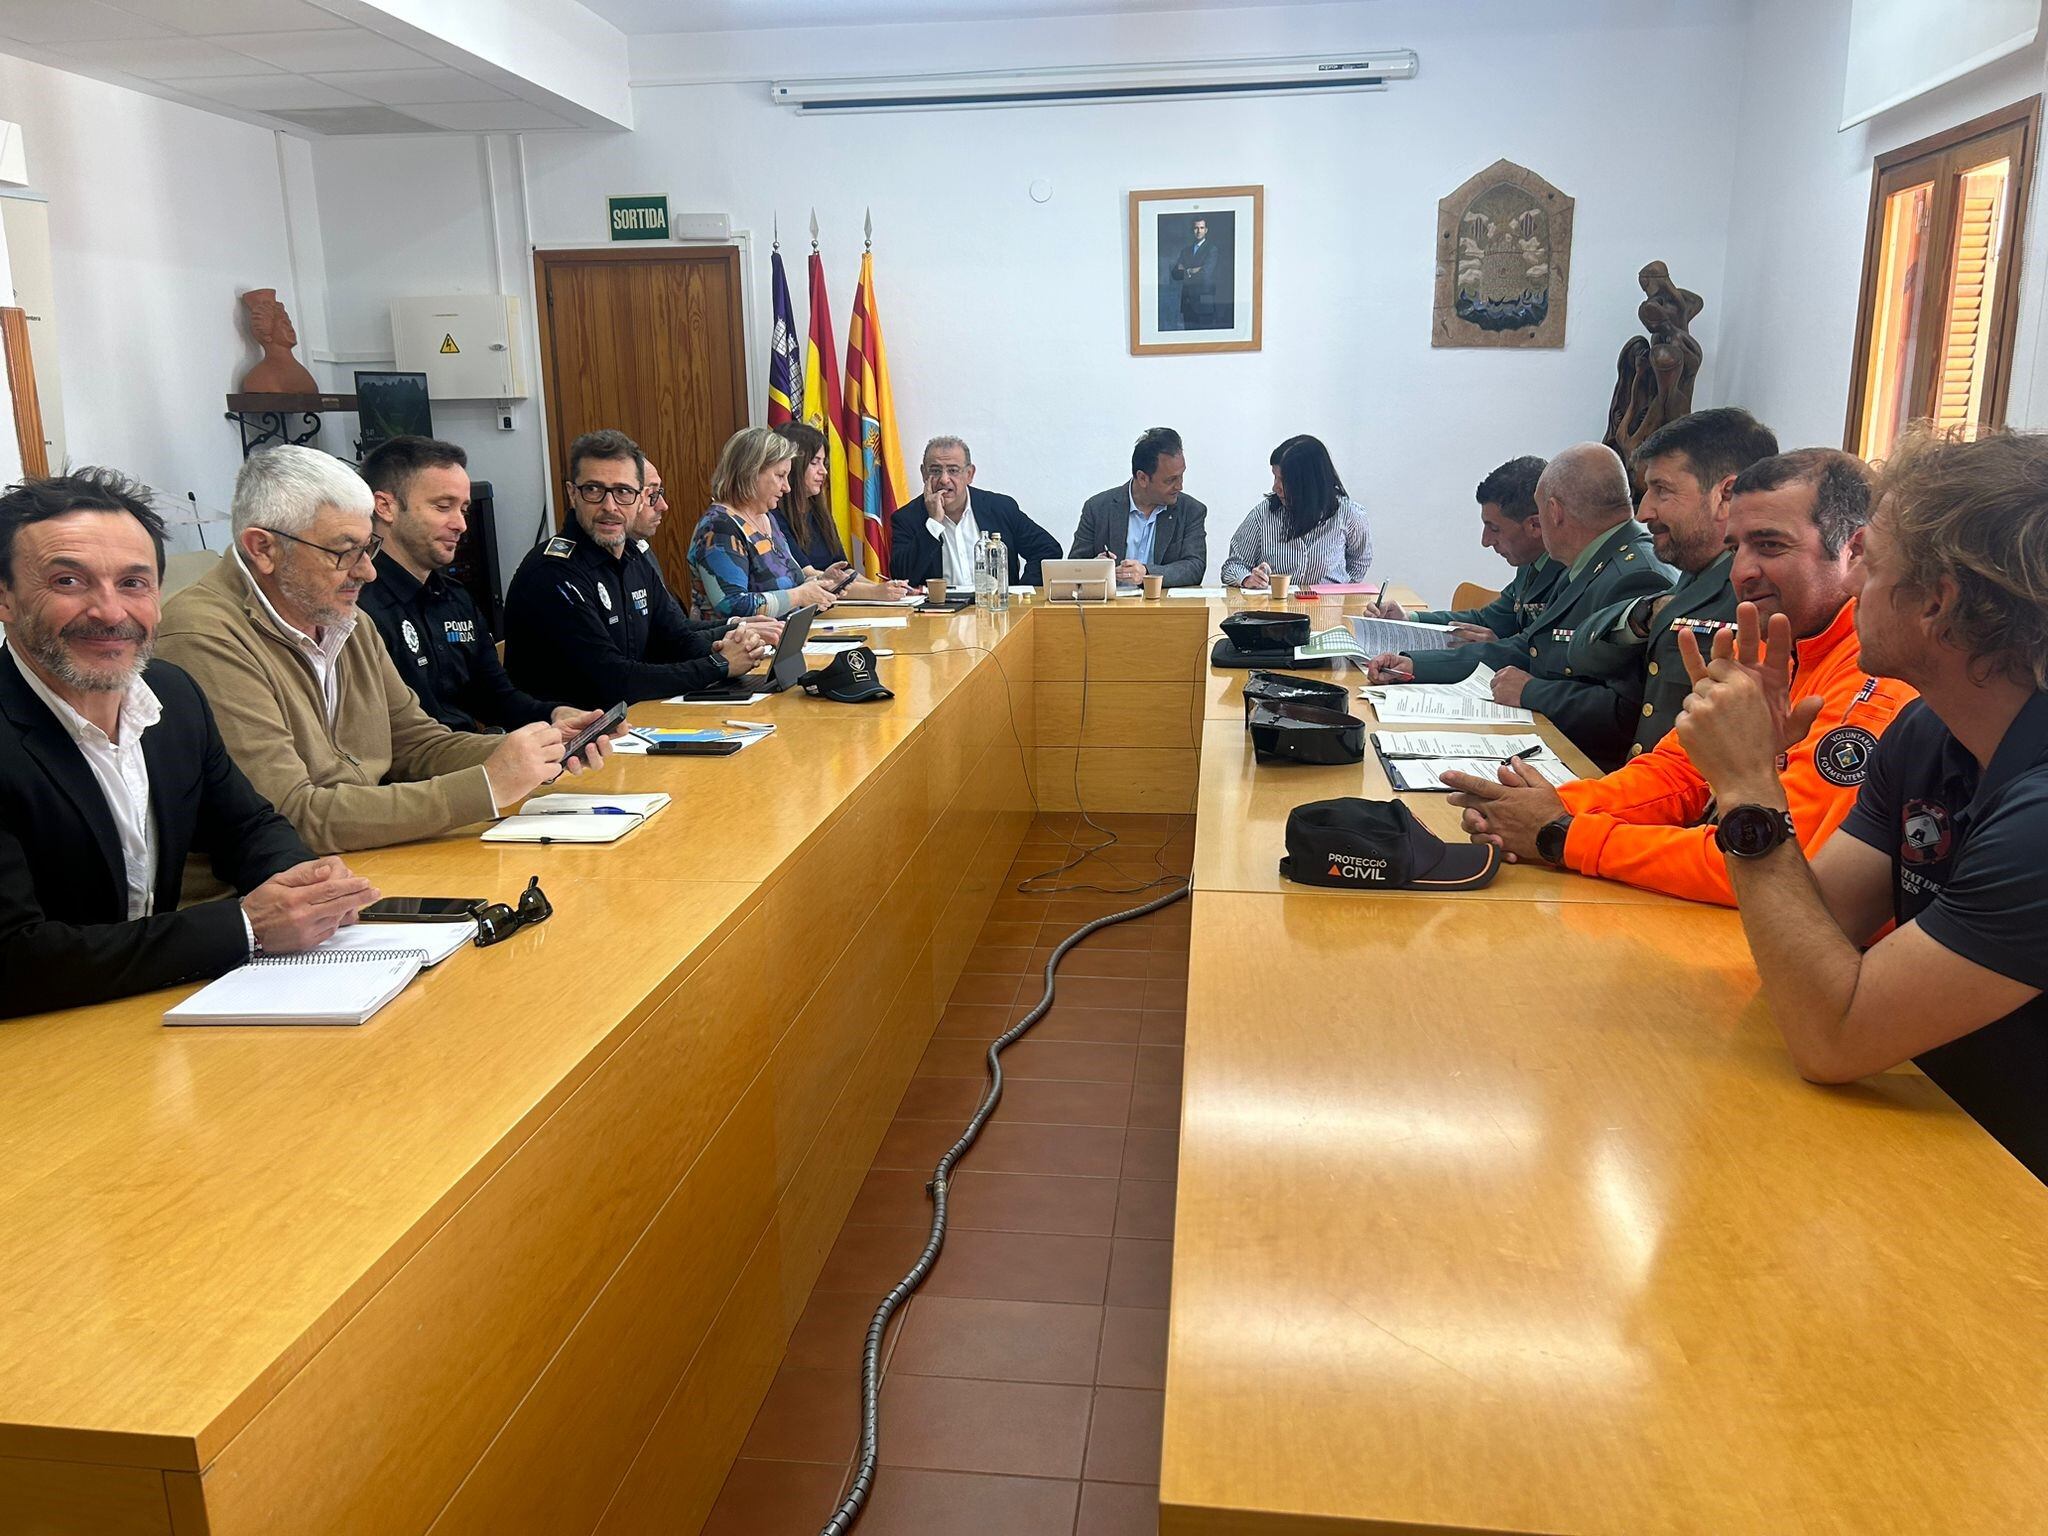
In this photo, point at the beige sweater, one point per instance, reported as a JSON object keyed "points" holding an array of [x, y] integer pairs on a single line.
{"points": [[386, 773]]}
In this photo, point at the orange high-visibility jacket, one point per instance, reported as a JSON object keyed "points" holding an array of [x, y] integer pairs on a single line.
{"points": [[1642, 824]]}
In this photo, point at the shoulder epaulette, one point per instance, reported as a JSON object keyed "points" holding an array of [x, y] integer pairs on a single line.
{"points": [[560, 548]]}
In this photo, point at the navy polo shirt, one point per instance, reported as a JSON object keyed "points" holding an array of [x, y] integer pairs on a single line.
{"points": [[1969, 854]]}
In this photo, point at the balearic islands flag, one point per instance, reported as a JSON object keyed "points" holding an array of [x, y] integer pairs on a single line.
{"points": [[876, 486], [785, 354]]}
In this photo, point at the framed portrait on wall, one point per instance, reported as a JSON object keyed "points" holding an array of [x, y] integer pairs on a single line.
{"points": [[1197, 259]]}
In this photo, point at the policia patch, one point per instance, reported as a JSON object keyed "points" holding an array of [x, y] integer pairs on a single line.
{"points": [[1843, 755]]}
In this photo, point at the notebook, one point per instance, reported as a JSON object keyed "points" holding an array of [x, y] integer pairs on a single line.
{"points": [[324, 986], [435, 941], [575, 818]]}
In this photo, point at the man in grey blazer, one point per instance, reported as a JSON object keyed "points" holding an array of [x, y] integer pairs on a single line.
{"points": [[1146, 523]]}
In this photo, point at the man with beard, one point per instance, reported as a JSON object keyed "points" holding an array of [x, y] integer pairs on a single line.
{"points": [[112, 771], [430, 624], [1688, 469], [306, 695]]}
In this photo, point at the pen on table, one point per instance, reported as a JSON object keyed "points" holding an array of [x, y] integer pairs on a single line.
{"points": [[750, 725]]}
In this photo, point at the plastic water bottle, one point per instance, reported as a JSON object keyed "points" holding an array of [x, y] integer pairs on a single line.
{"points": [[984, 573], [999, 573]]}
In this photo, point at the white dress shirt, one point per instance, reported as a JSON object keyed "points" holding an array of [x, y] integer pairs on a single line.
{"points": [[957, 540], [320, 654], [123, 777]]}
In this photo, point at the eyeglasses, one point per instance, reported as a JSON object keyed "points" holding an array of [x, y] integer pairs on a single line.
{"points": [[593, 494], [657, 494], [497, 922], [346, 557], [938, 471]]}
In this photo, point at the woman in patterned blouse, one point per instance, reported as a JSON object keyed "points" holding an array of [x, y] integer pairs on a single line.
{"points": [[1307, 528], [742, 559]]}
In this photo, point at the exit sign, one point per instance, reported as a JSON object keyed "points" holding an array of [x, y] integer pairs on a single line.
{"points": [[639, 218]]}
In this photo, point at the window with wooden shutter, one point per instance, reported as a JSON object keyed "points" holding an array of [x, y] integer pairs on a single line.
{"points": [[1934, 331]]}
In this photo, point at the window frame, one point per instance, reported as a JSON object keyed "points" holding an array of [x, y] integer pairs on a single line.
{"points": [[1892, 172]]}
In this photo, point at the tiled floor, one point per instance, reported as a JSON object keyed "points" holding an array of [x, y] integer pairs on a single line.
{"points": [[1022, 1385]]}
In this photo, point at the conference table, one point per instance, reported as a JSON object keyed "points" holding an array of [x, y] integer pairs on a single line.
{"points": [[1497, 1212]]}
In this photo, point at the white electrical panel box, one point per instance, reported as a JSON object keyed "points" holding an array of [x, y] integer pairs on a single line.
{"points": [[467, 345]]}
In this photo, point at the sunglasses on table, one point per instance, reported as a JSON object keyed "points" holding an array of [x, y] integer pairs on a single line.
{"points": [[497, 922]]}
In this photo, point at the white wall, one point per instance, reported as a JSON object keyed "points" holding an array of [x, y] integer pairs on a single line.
{"points": [[160, 215], [1006, 318], [1798, 214]]}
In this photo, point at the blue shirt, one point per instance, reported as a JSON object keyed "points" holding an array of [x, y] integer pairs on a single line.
{"points": [[1138, 540]]}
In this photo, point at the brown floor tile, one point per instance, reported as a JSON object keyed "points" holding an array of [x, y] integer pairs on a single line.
{"points": [[1091, 959], [1025, 1429], [1003, 1341], [1052, 1102], [1140, 1272], [1101, 991], [1109, 1026], [1021, 1266], [941, 1098], [1123, 1436], [808, 1415], [998, 960], [1005, 1146], [1162, 1028], [834, 1330], [910, 1501], [1156, 1104], [980, 1022], [1118, 1509], [1159, 1063], [1166, 994], [1166, 965], [870, 1259], [1144, 1208], [891, 1197], [1001, 990], [1009, 908], [919, 1144], [947, 1057], [1137, 934], [774, 1498], [1024, 934], [1133, 1348], [1151, 1153], [1034, 1202], [1071, 1060]]}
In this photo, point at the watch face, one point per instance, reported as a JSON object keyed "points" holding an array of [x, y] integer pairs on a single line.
{"points": [[1748, 831]]}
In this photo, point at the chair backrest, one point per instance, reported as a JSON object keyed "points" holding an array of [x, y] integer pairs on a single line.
{"points": [[1471, 595]]}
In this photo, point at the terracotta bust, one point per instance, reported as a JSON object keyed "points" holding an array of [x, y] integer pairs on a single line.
{"points": [[278, 373]]}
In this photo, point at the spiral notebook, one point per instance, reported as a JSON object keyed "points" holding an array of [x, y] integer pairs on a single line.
{"points": [[324, 986]]}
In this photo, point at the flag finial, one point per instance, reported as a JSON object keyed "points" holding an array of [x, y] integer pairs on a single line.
{"points": [[814, 229], [775, 238], [868, 229]]}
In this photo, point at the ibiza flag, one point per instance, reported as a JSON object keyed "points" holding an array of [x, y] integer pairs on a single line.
{"points": [[876, 486], [822, 407], [785, 354]]}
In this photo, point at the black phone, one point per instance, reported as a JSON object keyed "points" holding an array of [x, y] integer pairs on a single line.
{"points": [[421, 909], [843, 582], [696, 748], [838, 635], [608, 721]]}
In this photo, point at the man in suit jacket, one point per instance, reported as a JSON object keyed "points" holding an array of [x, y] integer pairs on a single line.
{"points": [[1147, 523], [1690, 469], [1196, 271], [935, 536], [1589, 527], [112, 771]]}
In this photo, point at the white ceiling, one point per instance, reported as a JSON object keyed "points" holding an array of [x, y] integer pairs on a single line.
{"points": [[288, 60], [654, 16]]}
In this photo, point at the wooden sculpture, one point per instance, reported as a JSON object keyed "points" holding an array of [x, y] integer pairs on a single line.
{"points": [[1655, 374], [277, 372]]}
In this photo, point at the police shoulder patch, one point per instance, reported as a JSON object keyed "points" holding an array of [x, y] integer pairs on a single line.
{"points": [[559, 548], [1843, 755]]}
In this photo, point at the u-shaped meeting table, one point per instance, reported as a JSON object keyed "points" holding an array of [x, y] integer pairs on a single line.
{"points": [[1497, 1212]]}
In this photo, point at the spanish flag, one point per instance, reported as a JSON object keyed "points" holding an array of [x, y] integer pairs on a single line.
{"points": [[875, 482], [785, 369], [822, 407]]}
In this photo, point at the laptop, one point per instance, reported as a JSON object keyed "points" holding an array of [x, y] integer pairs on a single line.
{"points": [[784, 668], [1082, 581]]}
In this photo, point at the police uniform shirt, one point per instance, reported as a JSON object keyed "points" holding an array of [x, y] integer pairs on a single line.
{"points": [[1967, 852], [583, 624], [441, 648]]}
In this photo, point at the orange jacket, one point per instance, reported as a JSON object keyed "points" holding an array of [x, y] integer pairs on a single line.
{"points": [[1643, 824]]}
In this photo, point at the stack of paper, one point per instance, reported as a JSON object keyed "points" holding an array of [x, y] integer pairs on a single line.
{"points": [[1418, 760], [342, 986], [1468, 701]]}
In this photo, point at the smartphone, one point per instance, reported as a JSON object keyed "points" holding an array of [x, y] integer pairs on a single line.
{"points": [[421, 909], [837, 635], [608, 721], [843, 582], [724, 748]]}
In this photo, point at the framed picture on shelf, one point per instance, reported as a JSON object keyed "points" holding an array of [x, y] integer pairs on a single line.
{"points": [[1197, 259]]}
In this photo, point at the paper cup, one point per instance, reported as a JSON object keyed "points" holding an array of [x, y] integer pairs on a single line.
{"points": [[1278, 584], [935, 592], [1154, 586]]}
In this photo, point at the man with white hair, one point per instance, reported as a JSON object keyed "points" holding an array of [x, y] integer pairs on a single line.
{"points": [[307, 697], [112, 771]]}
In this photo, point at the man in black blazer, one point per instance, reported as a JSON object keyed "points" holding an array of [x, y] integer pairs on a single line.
{"points": [[112, 771], [1147, 523], [934, 537]]}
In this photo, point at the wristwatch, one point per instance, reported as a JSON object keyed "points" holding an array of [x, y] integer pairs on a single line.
{"points": [[1550, 840], [1751, 831]]}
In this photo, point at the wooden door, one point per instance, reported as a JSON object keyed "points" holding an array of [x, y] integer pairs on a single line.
{"points": [[652, 343]]}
